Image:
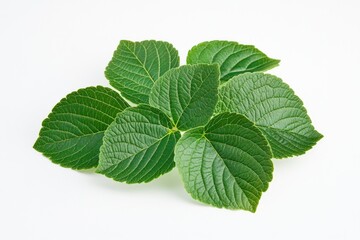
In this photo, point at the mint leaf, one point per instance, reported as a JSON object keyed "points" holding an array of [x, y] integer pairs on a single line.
{"points": [[135, 67], [138, 146], [227, 163], [231, 131], [187, 94], [275, 109], [72, 134], [232, 57]]}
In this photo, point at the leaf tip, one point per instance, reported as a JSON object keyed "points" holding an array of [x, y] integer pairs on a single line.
{"points": [[37, 144], [319, 135], [276, 62]]}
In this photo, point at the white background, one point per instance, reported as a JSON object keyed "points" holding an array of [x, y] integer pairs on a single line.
{"points": [[50, 48]]}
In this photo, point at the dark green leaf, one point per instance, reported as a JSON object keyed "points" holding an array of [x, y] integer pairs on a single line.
{"points": [[187, 94], [135, 67], [273, 106], [227, 163], [138, 146], [232, 57], [72, 134]]}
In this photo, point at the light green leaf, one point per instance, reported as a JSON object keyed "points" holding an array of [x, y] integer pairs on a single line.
{"points": [[72, 134], [227, 163], [135, 67], [275, 109], [233, 58], [138, 146], [187, 94]]}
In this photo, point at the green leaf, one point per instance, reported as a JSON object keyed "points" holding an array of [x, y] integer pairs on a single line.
{"points": [[275, 109], [72, 134], [227, 163], [135, 67], [187, 94], [232, 57], [138, 146]]}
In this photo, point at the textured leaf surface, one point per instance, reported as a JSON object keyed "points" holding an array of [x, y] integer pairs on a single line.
{"points": [[188, 94], [227, 163], [274, 108], [232, 57], [72, 134], [138, 146], [135, 67]]}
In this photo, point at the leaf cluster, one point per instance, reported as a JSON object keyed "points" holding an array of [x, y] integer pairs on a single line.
{"points": [[219, 119]]}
